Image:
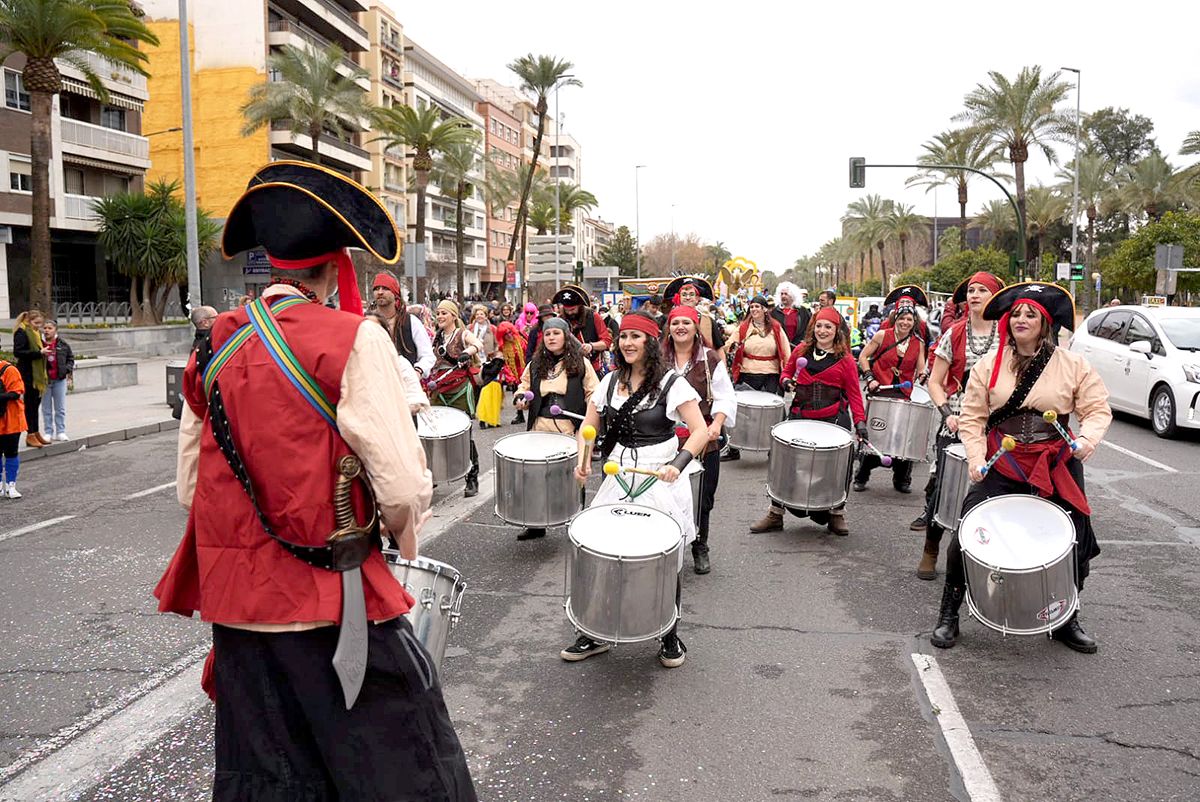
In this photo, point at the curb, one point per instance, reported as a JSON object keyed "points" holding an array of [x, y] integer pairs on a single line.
{"points": [[100, 439]]}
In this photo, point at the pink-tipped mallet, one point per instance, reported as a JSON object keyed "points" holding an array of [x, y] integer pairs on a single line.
{"points": [[884, 459], [556, 410]]}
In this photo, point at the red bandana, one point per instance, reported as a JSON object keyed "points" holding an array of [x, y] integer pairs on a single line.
{"points": [[349, 299], [636, 322]]}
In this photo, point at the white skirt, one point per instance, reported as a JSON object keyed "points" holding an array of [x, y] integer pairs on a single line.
{"points": [[673, 498]]}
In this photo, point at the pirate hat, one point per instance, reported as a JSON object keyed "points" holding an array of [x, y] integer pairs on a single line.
{"points": [[909, 291], [1050, 299], [303, 215], [699, 282], [570, 295]]}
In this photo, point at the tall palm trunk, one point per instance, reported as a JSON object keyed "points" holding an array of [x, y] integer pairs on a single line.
{"points": [[460, 191], [39, 168], [1018, 155], [903, 256], [523, 208], [962, 214], [1091, 235], [883, 276], [314, 133], [422, 164]]}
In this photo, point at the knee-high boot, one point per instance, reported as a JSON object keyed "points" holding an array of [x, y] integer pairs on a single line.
{"points": [[700, 552], [945, 634], [472, 488]]}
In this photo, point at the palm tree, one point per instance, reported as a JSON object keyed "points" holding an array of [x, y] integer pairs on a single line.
{"points": [[573, 198], [719, 255], [309, 94], [45, 30], [996, 220], [1046, 207], [869, 217], [425, 132], [966, 147], [1018, 115], [1095, 189], [452, 173], [1151, 185], [1191, 144], [540, 75], [901, 224]]}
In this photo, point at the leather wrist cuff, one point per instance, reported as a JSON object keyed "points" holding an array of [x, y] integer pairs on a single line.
{"points": [[945, 411], [681, 460]]}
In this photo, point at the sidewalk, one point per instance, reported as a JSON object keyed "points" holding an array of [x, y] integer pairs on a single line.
{"points": [[106, 416]]}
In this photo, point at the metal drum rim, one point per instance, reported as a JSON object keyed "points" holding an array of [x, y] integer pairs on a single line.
{"points": [[1003, 630], [533, 460], [1020, 571], [393, 557], [995, 501], [618, 558], [606, 638]]}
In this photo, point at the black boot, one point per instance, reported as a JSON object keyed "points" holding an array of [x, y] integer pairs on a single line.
{"points": [[472, 488], [700, 554], [520, 418], [532, 533], [731, 455], [945, 635], [1072, 636]]}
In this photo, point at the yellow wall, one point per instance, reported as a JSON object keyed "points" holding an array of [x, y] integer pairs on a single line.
{"points": [[225, 159]]}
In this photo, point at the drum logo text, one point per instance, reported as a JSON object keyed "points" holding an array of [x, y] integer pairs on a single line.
{"points": [[1053, 610], [624, 511], [983, 535], [878, 424]]}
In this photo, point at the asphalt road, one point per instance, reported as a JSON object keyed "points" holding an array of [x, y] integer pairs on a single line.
{"points": [[800, 680]]}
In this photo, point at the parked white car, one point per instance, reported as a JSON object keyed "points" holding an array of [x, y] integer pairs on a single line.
{"points": [[1149, 358]]}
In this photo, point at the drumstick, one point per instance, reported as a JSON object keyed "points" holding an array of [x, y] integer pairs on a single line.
{"points": [[884, 459], [900, 386], [1051, 417], [555, 409], [1006, 445], [588, 432], [612, 468]]}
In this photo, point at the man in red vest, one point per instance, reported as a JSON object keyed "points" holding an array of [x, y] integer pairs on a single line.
{"points": [[295, 451], [586, 325]]}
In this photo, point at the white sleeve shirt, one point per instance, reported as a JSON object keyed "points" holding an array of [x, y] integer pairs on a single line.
{"points": [[425, 357]]}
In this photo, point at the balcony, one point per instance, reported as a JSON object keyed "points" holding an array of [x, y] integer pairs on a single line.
{"points": [[290, 32], [346, 154], [392, 43], [115, 77], [80, 207], [107, 144], [329, 20], [394, 186]]}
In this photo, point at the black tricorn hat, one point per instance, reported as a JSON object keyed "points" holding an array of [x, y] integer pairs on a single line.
{"points": [[297, 210], [570, 295], [699, 282], [1057, 302], [959, 296], [910, 291]]}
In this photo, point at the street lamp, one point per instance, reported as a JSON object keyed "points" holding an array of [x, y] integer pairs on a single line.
{"points": [[1075, 195], [672, 239], [557, 155], [163, 131], [1096, 278], [191, 233], [637, 220]]}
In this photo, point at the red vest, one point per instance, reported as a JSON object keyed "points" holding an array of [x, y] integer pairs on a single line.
{"points": [[955, 374], [889, 359], [227, 567]]}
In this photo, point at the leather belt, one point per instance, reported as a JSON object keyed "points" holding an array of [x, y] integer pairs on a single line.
{"points": [[816, 396], [1030, 427]]}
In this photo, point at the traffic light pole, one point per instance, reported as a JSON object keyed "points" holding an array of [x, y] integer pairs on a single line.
{"points": [[859, 170]]}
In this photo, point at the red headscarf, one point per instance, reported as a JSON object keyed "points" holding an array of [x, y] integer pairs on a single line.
{"points": [[639, 322], [986, 279], [388, 282], [1002, 327], [830, 314], [348, 298], [684, 311]]}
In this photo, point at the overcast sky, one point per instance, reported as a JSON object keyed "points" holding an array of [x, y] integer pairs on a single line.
{"points": [[745, 113]]}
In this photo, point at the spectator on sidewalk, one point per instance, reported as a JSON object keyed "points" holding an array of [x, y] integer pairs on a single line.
{"points": [[60, 370], [12, 423], [203, 318], [31, 361]]}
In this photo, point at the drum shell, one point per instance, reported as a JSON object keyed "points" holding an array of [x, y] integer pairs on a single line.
{"points": [[1021, 601], [622, 599], [448, 457], [537, 492], [754, 422], [954, 480], [697, 480], [802, 477], [901, 428], [437, 589]]}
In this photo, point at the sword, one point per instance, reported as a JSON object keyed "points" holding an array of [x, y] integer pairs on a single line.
{"points": [[350, 657]]}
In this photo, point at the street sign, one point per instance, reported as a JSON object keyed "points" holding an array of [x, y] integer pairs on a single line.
{"points": [[1154, 300], [257, 263], [858, 172], [1076, 272], [1168, 257], [1062, 271]]}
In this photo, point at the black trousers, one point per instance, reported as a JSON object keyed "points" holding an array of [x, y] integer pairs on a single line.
{"points": [[283, 732], [766, 382], [708, 497], [33, 403], [996, 484], [934, 530], [869, 461]]}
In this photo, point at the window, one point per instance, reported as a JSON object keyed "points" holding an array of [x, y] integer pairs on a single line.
{"points": [[1114, 326], [15, 96], [73, 181], [1093, 326], [112, 117], [19, 175], [115, 185]]}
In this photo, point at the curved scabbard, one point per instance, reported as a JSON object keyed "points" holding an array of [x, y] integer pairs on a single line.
{"points": [[350, 657]]}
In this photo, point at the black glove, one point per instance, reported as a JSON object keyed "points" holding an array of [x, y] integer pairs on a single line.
{"points": [[860, 429], [463, 360], [789, 385]]}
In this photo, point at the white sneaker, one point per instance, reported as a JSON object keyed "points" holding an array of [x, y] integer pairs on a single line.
{"points": [[12, 491], [61, 437]]}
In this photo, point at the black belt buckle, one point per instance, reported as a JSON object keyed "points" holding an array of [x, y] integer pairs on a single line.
{"points": [[349, 549]]}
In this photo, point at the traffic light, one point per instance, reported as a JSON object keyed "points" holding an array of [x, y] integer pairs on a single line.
{"points": [[858, 172], [1076, 272]]}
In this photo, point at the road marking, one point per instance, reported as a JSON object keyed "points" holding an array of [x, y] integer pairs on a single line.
{"points": [[1137, 456], [974, 772], [25, 530], [150, 492], [453, 509], [76, 757]]}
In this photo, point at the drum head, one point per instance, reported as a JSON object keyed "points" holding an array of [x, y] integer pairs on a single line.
{"points": [[811, 433], [625, 530], [757, 398], [920, 396], [442, 422], [422, 564], [533, 446], [1016, 532]]}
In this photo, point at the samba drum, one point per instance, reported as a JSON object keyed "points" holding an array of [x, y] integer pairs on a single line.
{"points": [[809, 465], [438, 589], [445, 434], [902, 428], [1019, 554], [954, 480], [622, 571], [757, 412], [535, 479]]}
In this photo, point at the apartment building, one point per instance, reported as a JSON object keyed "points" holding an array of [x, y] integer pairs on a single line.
{"points": [[384, 62], [97, 149], [502, 144], [597, 234], [230, 41], [429, 82]]}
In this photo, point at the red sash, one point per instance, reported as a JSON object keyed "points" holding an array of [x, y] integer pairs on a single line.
{"points": [[1042, 465]]}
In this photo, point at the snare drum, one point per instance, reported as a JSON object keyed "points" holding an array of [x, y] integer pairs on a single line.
{"points": [[809, 465], [535, 479], [757, 412], [445, 434], [438, 590], [622, 571], [900, 427], [954, 480], [1019, 554]]}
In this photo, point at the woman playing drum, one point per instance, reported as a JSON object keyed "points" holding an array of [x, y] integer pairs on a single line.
{"points": [[825, 379], [1009, 394], [895, 355], [761, 351], [449, 382], [704, 370], [961, 346], [640, 403]]}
